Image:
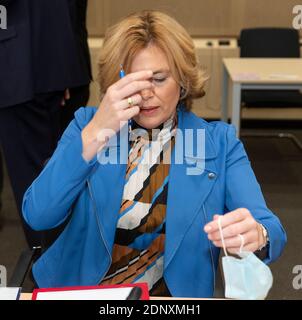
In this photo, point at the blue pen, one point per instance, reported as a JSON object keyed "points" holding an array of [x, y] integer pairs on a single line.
{"points": [[122, 75]]}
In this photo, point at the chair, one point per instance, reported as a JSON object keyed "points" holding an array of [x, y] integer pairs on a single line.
{"points": [[28, 256], [271, 43]]}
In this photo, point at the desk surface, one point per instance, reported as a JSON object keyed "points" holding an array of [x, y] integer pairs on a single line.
{"points": [[264, 70], [27, 296]]}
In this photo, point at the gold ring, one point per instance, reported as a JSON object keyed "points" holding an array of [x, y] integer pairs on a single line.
{"points": [[130, 102]]}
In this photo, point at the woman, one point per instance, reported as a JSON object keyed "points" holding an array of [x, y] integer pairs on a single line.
{"points": [[146, 219]]}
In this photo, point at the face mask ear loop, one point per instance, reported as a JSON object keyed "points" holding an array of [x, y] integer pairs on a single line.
{"points": [[221, 236], [242, 242]]}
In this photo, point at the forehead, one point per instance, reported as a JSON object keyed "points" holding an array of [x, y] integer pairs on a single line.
{"points": [[150, 58]]}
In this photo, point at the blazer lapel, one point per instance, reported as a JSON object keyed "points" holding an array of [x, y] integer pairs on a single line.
{"points": [[187, 192]]}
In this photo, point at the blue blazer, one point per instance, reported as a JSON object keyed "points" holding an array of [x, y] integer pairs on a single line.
{"points": [[91, 193]]}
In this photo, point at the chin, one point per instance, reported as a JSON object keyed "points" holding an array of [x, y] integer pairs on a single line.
{"points": [[148, 123]]}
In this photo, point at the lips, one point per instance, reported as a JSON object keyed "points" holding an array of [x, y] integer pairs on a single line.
{"points": [[149, 111], [149, 108]]}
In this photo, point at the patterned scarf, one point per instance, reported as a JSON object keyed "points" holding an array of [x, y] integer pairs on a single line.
{"points": [[138, 250]]}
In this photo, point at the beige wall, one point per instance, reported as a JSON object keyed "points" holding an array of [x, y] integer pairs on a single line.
{"points": [[201, 17], [211, 59], [205, 20]]}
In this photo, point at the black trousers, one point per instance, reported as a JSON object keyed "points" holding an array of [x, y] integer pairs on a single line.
{"points": [[29, 133], [78, 98]]}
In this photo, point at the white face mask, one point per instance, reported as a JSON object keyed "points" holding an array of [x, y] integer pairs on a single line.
{"points": [[245, 278]]}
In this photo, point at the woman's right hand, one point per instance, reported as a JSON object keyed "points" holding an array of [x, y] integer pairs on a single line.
{"points": [[113, 110]]}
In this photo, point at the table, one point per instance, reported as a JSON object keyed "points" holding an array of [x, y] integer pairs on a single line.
{"points": [[256, 74], [27, 296]]}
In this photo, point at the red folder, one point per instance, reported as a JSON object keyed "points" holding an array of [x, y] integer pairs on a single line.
{"points": [[143, 286]]}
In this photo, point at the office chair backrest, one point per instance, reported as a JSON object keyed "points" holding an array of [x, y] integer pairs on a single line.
{"points": [[269, 43]]}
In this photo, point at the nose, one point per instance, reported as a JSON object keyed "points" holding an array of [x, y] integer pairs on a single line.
{"points": [[147, 93]]}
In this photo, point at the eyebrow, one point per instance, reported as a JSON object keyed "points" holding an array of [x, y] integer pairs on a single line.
{"points": [[161, 71]]}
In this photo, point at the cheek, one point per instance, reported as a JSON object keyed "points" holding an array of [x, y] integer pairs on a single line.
{"points": [[170, 95]]}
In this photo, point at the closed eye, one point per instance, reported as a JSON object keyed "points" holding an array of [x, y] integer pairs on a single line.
{"points": [[159, 80]]}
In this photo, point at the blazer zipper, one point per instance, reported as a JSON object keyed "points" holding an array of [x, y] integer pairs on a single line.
{"points": [[100, 230], [211, 252]]}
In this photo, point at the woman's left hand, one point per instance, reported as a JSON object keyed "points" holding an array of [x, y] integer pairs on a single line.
{"points": [[239, 221]]}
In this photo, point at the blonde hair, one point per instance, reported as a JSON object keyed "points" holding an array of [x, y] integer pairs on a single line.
{"points": [[134, 33]]}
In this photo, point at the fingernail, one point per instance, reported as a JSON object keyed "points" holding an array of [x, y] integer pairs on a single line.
{"points": [[207, 228]]}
